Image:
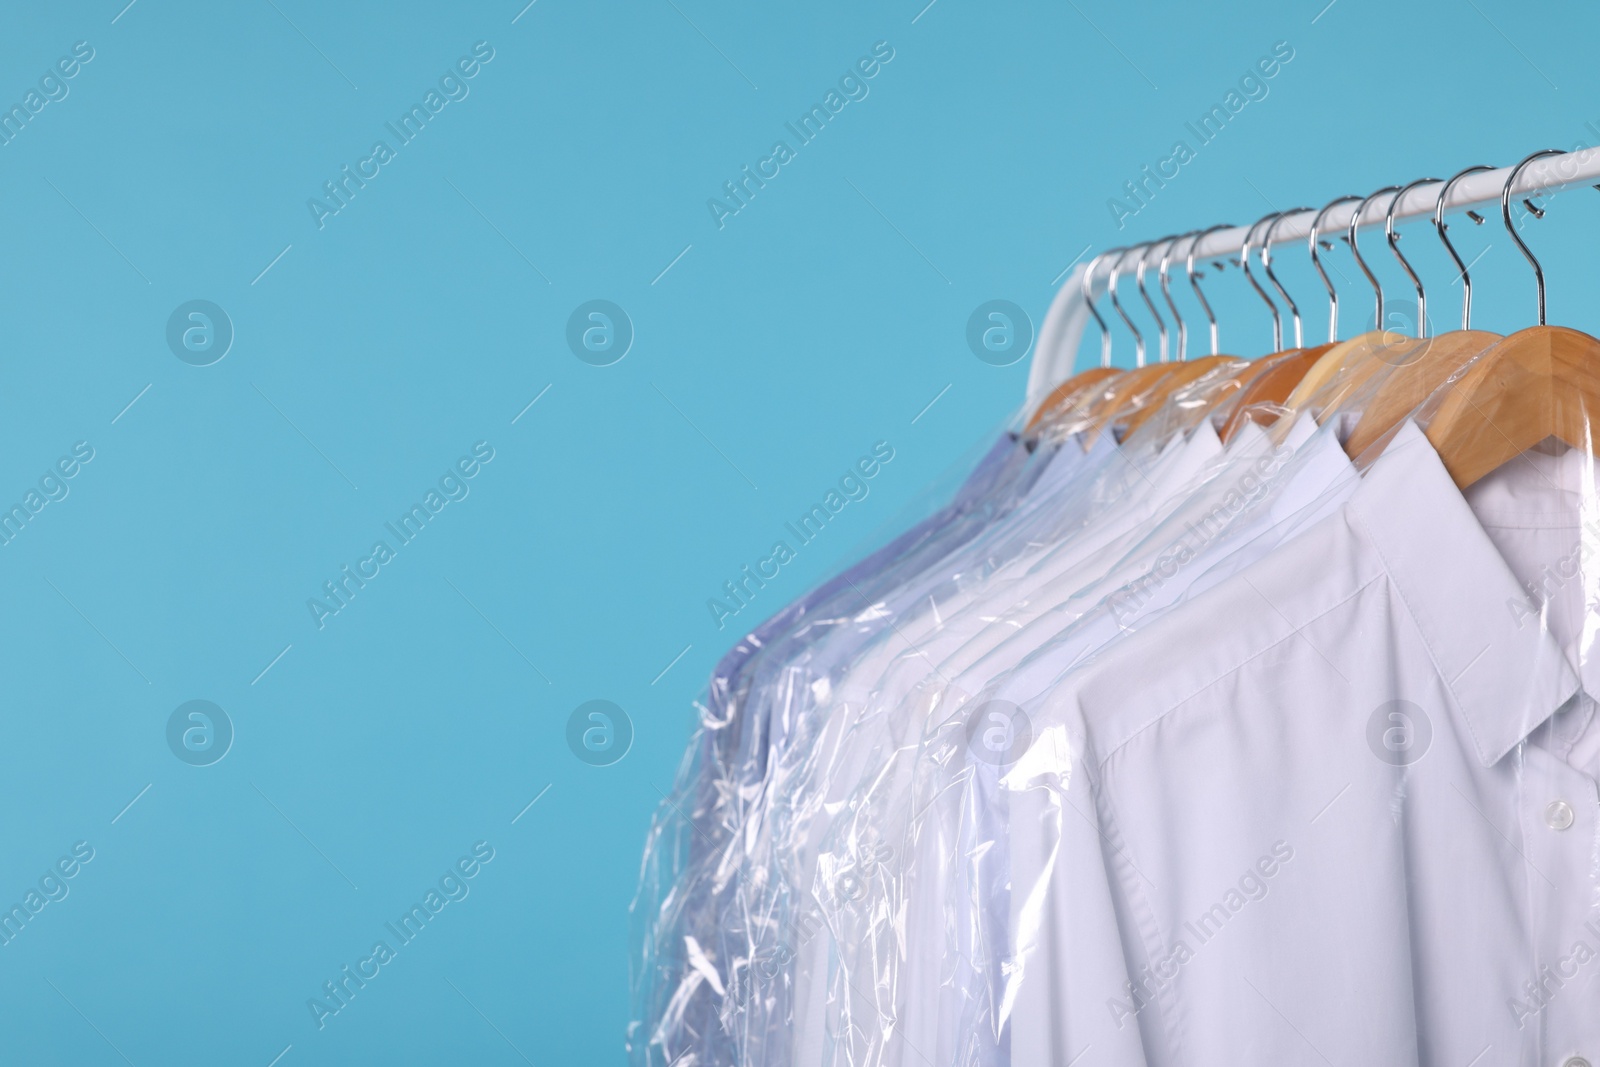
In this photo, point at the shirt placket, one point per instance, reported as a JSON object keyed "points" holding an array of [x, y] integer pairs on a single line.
{"points": [[1559, 808]]}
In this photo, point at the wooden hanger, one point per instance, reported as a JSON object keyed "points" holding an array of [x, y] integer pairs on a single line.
{"points": [[1147, 399], [1264, 396], [1125, 396], [1429, 366], [1345, 365], [1133, 391], [1272, 378], [1409, 385], [1181, 376], [1538, 383], [1067, 396], [1340, 373], [1070, 394], [1269, 389]]}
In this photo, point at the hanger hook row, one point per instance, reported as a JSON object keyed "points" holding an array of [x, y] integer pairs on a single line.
{"points": [[1396, 193]]}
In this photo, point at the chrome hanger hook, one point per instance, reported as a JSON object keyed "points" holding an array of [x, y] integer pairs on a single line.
{"points": [[1355, 249], [1505, 215], [1088, 298], [1438, 222], [1166, 291], [1266, 263], [1316, 261], [1394, 246], [1244, 260], [1138, 276], [1138, 338], [1194, 279]]}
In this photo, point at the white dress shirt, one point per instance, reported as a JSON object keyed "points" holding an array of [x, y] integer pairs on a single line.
{"points": [[1335, 794]]}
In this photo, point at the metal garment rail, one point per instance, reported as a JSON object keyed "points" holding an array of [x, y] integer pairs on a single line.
{"points": [[1543, 176]]}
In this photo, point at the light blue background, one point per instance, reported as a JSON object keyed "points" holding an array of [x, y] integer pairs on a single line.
{"points": [[430, 312]]}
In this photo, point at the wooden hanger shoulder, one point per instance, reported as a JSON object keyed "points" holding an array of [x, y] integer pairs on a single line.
{"points": [[1127, 391], [1272, 385], [1426, 369], [1537, 383], [1182, 374], [1351, 383], [1345, 354], [1064, 396]]}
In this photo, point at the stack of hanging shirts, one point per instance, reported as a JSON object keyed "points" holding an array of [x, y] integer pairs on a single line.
{"points": [[1160, 750]]}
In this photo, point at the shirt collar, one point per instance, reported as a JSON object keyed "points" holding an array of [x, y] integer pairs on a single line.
{"points": [[1506, 672]]}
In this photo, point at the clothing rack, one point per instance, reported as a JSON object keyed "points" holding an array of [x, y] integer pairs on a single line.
{"points": [[1056, 351]]}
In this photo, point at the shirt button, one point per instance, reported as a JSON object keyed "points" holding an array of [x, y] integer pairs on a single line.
{"points": [[1575, 1061], [1558, 816]]}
